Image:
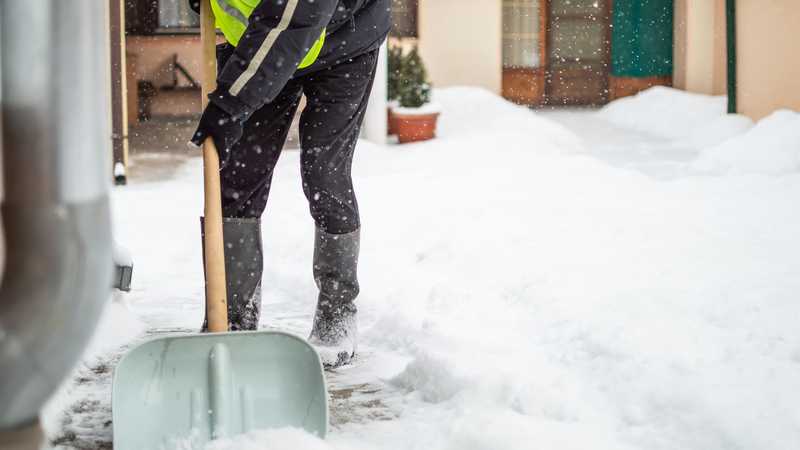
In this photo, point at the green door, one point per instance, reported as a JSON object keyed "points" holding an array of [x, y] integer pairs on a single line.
{"points": [[641, 44]]}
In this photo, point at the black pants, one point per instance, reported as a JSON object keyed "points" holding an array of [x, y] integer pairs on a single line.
{"points": [[329, 128]]}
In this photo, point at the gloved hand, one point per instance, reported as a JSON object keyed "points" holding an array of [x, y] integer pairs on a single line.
{"points": [[195, 5], [220, 126]]}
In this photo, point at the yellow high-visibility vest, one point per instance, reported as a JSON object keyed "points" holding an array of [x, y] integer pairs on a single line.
{"points": [[232, 18]]}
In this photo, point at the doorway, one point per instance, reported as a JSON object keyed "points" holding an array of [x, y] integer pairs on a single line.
{"points": [[578, 52]]}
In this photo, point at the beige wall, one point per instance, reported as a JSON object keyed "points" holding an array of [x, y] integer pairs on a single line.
{"points": [[720, 68], [461, 42], [768, 45], [148, 57], [768, 56], [153, 53], [700, 46]]}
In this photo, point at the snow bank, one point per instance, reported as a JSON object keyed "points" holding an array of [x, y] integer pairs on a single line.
{"points": [[716, 131], [551, 301], [534, 298], [727, 143], [559, 303], [667, 112], [471, 111], [772, 146]]}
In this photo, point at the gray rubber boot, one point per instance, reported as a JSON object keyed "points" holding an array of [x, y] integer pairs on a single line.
{"points": [[244, 264], [335, 330]]}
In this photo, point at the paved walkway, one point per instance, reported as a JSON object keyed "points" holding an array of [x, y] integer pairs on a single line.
{"points": [[159, 147], [621, 147]]}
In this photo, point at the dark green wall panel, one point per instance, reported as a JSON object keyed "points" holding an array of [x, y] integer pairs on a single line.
{"points": [[641, 38]]}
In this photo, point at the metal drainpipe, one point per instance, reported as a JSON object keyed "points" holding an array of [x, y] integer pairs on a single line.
{"points": [[55, 143], [730, 18]]}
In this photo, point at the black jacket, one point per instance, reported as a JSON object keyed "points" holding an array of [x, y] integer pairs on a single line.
{"points": [[280, 34]]}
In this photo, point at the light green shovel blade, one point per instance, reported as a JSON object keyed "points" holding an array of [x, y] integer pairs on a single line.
{"points": [[183, 391]]}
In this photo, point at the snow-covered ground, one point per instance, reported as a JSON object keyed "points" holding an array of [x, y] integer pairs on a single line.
{"points": [[621, 279]]}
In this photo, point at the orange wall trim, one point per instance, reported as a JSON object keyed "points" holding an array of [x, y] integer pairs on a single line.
{"points": [[524, 86]]}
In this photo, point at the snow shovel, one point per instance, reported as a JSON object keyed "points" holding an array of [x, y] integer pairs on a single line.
{"points": [[184, 391]]}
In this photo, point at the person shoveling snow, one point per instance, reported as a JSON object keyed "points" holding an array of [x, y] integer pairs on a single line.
{"points": [[275, 53]]}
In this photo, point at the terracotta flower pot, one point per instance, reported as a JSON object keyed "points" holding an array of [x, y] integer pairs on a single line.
{"points": [[415, 127], [392, 125]]}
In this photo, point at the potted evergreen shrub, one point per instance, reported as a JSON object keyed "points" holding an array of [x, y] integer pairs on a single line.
{"points": [[395, 56], [416, 117]]}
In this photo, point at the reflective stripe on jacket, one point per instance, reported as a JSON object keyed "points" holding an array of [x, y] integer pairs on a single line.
{"points": [[233, 16]]}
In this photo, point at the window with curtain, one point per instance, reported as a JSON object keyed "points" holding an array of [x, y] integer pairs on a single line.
{"points": [[404, 18], [146, 17], [521, 34], [141, 16], [176, 14]]}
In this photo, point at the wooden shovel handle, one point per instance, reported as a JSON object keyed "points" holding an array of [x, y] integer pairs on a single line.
{"points": [[216, 295]]}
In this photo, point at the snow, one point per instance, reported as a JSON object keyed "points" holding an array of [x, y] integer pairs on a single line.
{"points": [[666, 112], [427, 108], [478, 113], [772, 147], [81, 407], [117, 327], [121, 255], [119, 169], [725, 143], [279, 439], [717, 131], [527, 282]]}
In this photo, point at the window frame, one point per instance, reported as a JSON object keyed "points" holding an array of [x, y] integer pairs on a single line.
{"points": [[142, 19]]}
